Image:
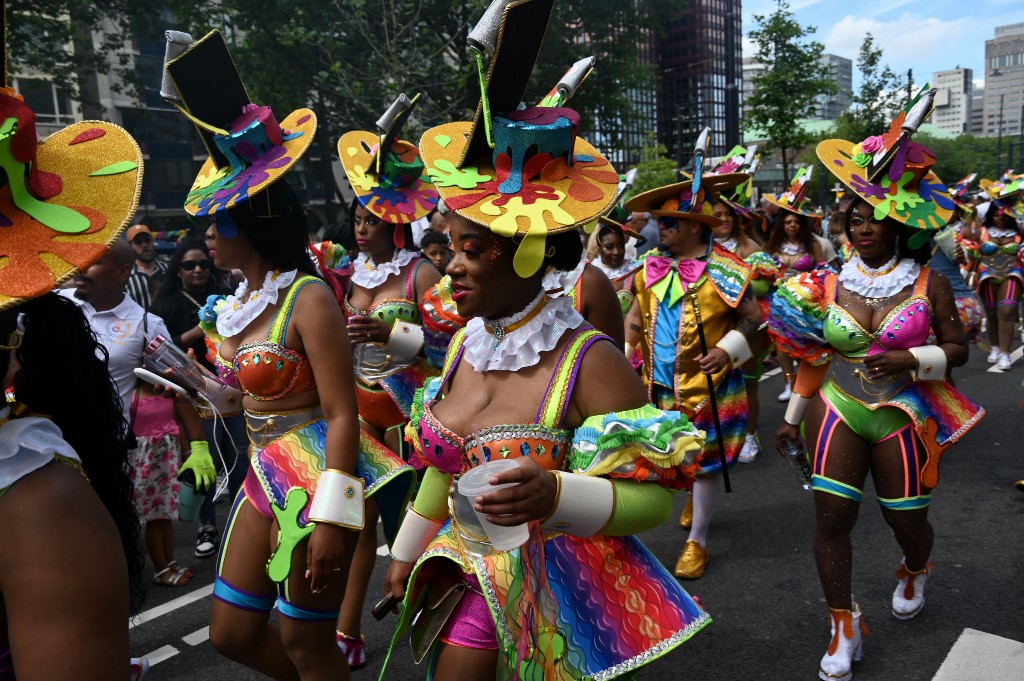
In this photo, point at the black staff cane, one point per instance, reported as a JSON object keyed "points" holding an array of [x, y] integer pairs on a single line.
{"points": [[692, 294]]}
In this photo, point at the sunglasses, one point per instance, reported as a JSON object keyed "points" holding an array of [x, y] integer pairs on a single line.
{"points": [[189, 265], [142, 239]]}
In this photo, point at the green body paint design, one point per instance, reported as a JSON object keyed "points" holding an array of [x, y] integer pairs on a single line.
{"points": [[289, 534], [58, 218]]}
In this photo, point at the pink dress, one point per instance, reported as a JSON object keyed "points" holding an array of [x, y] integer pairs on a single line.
{"points": [[154, 462]]}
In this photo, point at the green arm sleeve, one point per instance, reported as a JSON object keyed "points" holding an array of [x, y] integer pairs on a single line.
{"points": [[432, 499], [639, 506], [760, 287]]}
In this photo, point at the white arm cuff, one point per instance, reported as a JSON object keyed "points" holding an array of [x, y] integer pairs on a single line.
{"points": [[414, 536], [629, 349], [796, 409], [583, 507], [406, 340], [736, 346], [931, 363], [338, 500]]}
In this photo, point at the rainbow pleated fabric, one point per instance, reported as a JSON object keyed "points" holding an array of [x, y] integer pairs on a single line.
{"points": [[297, 458], [729, 275], [798, 317], [402, 385], [763, 266], [952, 411]]}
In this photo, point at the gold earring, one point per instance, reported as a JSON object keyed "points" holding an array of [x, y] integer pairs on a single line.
{"points": [[14, 340], [550, 253]]}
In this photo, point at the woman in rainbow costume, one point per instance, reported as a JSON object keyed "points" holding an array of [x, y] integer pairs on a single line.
{"points": [[885, 407], [581, 598], [311, 469]]}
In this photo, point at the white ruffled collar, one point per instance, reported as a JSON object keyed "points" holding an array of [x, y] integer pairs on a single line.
{"points": [[489, 348], [368, 274], [1002, 232], [238, 313], [886, 281], [729, 244], [559, 282], [791, 248], [616, 272]]}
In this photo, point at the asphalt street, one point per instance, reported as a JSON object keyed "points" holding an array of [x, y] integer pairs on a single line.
{"points": [[761, 587]]}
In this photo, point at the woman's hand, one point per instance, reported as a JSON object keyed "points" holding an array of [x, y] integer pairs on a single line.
{"points": [[325, 556], [714, 361], [532, 497], [396, 578], [784, 432], [890, 362], [362, 329]]}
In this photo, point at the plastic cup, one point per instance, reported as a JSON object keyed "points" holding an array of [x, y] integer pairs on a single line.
{"points": [[474, 484], [189, 502]]}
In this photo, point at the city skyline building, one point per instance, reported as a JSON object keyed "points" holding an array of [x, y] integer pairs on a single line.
{"points": [[1004, 81], [829, 107], [954, 98]]}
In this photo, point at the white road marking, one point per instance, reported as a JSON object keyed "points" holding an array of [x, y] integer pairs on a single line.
{"points": [[170, 606], [1014, 358], [197, 637], [977, 656], [383, 550], [161, 654], [771, 372]]}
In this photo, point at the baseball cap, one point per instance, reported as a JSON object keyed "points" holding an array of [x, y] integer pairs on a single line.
{"points": [[136, 230]]}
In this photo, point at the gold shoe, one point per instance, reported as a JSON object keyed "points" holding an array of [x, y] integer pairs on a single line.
{"points": [[692, 562], [686, 519], [1019, 485]]}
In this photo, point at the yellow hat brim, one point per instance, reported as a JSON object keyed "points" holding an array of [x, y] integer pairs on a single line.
{"points": [[356, 150], [100, 166]]}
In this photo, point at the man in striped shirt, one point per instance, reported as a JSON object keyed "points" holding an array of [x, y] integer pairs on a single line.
{"points": [[146, 264]]}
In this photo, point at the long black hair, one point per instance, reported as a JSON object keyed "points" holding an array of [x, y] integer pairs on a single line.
{"points": [[275, 222], [59, 348], [778, 232], [349, 233], [174, 264]]}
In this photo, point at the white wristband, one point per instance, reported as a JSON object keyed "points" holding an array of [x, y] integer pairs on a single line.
{"points": [[406, 340], [583, 507], [414, 536], [796, 409], [338, 500], [931, 363], [736, 347]]}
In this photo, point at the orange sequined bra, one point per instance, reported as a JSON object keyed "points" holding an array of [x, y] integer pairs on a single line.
{"points": [[266, 369]]}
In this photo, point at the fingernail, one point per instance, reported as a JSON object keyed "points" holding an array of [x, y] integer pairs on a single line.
{"points": [[308, 574], [478, 500]]}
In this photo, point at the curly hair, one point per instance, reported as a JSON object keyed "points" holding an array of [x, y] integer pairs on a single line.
{"points": [[59, 348], [434, 237]]}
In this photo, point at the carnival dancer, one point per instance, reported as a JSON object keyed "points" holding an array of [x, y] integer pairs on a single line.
{"points": [[675, 371], [592, 293], [522, 382], [764, 271], [384, 310], [283, 335], [997, 250], [792, 242], [885, 406], [72, 560], [948, 255], [612, 261]]}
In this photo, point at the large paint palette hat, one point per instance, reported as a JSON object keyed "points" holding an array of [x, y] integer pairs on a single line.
{"points": [[249, 149], [893, 173], [521, 172], [794, 199], [386, 173]]}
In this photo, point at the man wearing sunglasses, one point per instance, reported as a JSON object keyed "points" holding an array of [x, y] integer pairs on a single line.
{"points": [[146, 264]]}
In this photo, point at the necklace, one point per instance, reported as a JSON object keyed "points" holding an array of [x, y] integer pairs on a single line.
{"points": [[369, 274], [238, 311], [191, 299], [886, 281], [499, 328]]}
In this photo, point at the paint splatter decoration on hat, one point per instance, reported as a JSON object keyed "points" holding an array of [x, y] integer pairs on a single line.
{"points": [[63, 200], [794, 199], [893, 173]]}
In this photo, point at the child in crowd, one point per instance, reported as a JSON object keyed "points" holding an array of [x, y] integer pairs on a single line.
{"points": [[434, 247]]}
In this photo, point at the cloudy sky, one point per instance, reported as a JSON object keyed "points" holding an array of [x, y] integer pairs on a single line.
{"points": [[923, 36]]}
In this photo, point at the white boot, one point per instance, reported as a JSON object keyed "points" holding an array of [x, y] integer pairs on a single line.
{"points": [[845, 647], [751, 448], [908, 599]]}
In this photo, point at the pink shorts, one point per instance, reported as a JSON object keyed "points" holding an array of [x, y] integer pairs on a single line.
{"points": [[471, 624]]}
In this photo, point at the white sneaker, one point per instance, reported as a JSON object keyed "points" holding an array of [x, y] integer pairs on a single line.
{"points": [[993, 356], [786, 393], [751, 448], [1004, 362], [908, 599]]}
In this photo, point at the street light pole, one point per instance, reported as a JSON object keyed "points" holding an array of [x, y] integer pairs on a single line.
{"points": [[999, 140], [732, 102]]}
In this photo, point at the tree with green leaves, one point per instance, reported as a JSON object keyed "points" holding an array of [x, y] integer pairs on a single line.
{"points": [[655, 168], [878, 99], [794, 75]]}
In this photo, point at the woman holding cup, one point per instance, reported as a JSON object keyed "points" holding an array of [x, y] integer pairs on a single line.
{"points": [[524, 387]]}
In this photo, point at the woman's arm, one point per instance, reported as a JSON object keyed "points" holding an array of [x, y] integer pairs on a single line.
{"points": [[601, 306]]}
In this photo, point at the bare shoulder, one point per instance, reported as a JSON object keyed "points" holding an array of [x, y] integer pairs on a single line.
{"points": [[606, 383]]}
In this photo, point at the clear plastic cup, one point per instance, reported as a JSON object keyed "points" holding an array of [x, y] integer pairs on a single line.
{"points": [[474, 484], [189, 502]]}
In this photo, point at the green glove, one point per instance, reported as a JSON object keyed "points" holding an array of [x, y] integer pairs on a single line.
{"points": [[200, 465]]}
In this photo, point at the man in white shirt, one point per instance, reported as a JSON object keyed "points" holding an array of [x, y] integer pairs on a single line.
{"points": [[120, 324]]}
